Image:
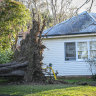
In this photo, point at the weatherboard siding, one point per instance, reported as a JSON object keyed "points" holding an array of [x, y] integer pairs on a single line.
{"points": [[54, 53]]}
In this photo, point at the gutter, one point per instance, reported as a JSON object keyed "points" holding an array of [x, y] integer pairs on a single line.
{"points": [[71, 35]]}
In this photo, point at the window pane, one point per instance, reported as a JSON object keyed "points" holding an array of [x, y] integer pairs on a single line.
{"points": [[93, 45], [70, 52], [82, 50], [93, 49]]}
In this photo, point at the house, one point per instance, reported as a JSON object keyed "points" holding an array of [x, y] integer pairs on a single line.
{"points": [[69, 43]]}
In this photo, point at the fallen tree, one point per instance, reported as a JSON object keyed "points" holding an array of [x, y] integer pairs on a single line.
{"points": [[28, 60], [12, 66]]}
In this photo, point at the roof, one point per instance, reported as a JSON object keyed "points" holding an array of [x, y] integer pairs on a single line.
{"points": [[83, 23]]}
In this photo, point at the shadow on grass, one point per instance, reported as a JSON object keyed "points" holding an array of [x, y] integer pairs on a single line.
{"points": [[47, 90], [22, 90]]}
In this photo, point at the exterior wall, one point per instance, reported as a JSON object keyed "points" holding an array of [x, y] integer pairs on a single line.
{"points": [[54, 53]]}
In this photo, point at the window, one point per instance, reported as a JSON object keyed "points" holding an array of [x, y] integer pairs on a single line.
{"points": [[92, 49], [70, 51], [82, 50], [19, 40]]}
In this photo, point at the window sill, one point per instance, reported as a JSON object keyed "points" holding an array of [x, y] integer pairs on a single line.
{"points": [[75, 61]]}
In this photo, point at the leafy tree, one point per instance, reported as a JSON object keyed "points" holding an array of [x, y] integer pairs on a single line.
{"points": [[14, 17]]}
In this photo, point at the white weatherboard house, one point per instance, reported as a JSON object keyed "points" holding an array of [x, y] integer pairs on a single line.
{"points": [[69, 42]]}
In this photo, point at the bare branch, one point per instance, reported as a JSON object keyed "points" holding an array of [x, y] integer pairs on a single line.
{"points": [[43, 25], [91, 6], [82, 5]]}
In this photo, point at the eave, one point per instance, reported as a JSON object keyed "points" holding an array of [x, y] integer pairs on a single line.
{"points": [[69, 35]]}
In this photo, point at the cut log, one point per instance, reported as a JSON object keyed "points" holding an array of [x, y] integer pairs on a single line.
{"points": [[13, 67], [17, 73], [8, 64]]}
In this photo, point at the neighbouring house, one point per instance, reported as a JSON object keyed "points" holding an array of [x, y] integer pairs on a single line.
{"points": [[21, 35], [69, 43]]}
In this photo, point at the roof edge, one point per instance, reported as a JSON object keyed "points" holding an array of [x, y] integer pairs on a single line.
{"points": [[70, 36]]}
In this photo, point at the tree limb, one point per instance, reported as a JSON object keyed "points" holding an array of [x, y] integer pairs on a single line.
{"points": [[91, 6], [82, 5], [12, 67]]}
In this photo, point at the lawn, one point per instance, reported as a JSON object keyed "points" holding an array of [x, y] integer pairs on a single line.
{"points": [[71, 91], [27, 89], [48, 90]]}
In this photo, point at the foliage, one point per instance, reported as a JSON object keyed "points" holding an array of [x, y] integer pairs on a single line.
{"points": [[94, 77], [5, 55], [14, 18]]}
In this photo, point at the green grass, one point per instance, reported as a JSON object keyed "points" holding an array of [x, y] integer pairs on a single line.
{"points": [[77, 80], [48, 90], [72, 91], [3, 80], [23, 90]]}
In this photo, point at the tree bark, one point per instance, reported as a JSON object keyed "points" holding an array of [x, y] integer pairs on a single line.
{"points": [[12, 66]]}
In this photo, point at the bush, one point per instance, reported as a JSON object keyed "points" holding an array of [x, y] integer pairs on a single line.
{"points": [[5, 55], [92, 64], [94, 77]]}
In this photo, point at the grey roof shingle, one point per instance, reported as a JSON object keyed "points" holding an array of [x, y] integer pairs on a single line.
{"points": [[81, 24]]}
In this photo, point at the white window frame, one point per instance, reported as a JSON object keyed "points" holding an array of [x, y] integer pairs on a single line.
{"points": [[90, 49], [88, 46], [65, 52], [77, 50]]}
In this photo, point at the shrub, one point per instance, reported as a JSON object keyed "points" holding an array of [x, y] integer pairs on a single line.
{"points": [[92, 68], [5, 55], [94, 77]]}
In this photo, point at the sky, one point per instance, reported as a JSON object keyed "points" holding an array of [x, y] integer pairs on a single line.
{"points": [[78, 3]]}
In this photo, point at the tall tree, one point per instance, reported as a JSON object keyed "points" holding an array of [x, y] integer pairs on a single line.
{"points": [[54, 11], [14, 17], [61, 10]]}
